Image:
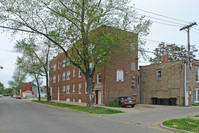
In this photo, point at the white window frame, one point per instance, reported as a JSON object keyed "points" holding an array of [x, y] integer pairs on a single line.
{"points": [[197, 74], [64, 76], [68, 89], [59, 65], [73, 87], [59, 78], [158, 74], [74, 73], [196, 95], [63, 88], [64, 62], [79, 73], [80, 88], [54, 67], [68, 75], [68, 62], [99, 78], [54, 79]]}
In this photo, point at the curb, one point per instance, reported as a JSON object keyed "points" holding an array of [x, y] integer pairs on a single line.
{"points": [[173, 129]]}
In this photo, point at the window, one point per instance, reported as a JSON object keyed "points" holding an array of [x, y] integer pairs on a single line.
{"points": [[74, 73], [68, 75], [68, 89], [99, 78], [133, 84], [80, 73], [64, 62], [59, 77], [80, 88], [63, 88], [64, 76], [73, 87], [197, 74], [86, 89], [54, 79], [158, 74], [54, 67], [68, 62], [59, 65], [196, 95]]}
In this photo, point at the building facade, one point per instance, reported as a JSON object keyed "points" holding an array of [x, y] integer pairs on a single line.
{"points": [[169, 80], [116, 78]]}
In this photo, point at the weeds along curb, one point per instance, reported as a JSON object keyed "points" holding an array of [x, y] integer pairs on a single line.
{"points": [[173, 129]]}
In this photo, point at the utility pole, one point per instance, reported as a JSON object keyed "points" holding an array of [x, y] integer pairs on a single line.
{"points": [[188, 87]]}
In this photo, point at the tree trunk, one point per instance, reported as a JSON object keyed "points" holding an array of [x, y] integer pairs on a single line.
{"points": [[90, 93]]}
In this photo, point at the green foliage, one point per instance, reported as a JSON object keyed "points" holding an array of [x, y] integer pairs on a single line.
{"points": [[1, 86], [172, 51], [1, 91], [184, 124], [113, 104], [8, 92], [94, 110]]}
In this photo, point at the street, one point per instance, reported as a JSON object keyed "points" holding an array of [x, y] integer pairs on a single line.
{"points": [[24, 116]]}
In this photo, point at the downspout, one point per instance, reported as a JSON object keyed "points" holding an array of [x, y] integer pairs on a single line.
{"points": [[139, 87], [185, 84]]}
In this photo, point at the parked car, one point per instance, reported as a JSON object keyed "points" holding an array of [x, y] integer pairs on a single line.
{"points": [[18, 97], [13, 96], [1, 95], [126, 101]]}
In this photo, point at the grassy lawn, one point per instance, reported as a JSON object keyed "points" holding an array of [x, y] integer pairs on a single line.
{"points": [[94, 110], [196, 104], [184, 124], [196, 115]]}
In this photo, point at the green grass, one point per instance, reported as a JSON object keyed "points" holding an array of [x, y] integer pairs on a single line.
{"points": [[183, 124], [94, 110], [42, 98], [196, 104], [196, 115]]}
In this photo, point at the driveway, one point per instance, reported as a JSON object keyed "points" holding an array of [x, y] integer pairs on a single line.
{"points": [[152, 115]]}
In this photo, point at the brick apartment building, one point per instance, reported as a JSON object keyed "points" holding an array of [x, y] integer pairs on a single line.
{"points": [[169, 80], [117, 78]]}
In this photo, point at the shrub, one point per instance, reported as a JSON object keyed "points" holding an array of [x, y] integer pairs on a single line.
{"points": [[113, 104]]}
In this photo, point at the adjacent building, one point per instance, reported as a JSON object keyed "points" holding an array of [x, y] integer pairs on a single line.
{"points": [[167, 83], [116, 78]]}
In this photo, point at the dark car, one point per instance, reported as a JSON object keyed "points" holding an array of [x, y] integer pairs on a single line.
{"points": [[126, 101]]}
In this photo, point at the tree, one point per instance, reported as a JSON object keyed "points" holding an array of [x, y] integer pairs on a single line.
{"points": [[34, 61], [68, 24], [172, 51], [1, 86], [18, 79]]}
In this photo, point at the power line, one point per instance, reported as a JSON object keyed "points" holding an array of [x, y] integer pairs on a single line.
{"points": [[172, 22], [161, 15]]}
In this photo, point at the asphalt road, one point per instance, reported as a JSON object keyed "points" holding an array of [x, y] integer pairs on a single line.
{"points": [[23, 116]]}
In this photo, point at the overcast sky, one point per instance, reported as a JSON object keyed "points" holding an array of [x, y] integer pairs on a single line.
{"points": [[177, 13]]}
